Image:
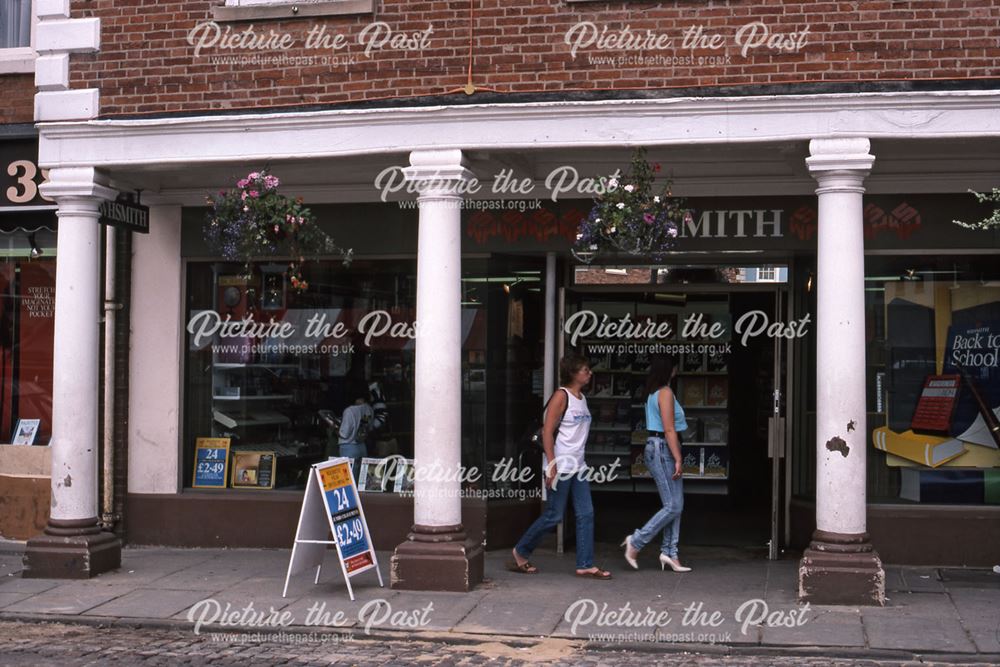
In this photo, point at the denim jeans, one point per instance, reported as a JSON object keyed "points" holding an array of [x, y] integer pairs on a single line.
{"points": [[660, 463], [555, 508], [355, 451]]}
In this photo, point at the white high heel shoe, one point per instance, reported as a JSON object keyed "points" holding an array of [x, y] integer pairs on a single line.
{"points": [[628, 547], [674, 565]]}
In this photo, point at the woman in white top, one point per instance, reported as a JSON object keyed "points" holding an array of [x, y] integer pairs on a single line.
{"points": [[564, 436]]}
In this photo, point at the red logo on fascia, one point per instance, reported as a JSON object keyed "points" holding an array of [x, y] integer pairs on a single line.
{"points": [[903, 220], [540, 225], [803, 223]]}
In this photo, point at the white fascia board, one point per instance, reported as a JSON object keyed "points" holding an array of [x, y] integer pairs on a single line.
{"points": [[255, 137]]}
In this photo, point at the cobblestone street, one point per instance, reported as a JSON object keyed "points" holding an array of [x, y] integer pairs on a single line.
{"points": [[65, 645]]}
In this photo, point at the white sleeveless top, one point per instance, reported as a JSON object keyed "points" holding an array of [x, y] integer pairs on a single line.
{"points": [[571, 438]]}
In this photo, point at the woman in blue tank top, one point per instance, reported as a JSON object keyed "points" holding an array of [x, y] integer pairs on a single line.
{"points": [[664, 420]]}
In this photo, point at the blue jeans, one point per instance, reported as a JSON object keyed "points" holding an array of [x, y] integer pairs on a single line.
{"points": [[355, 451], [660, 463], [555, 509]]}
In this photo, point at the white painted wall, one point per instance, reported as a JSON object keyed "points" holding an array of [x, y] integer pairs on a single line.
{"points": [[155, 363]]}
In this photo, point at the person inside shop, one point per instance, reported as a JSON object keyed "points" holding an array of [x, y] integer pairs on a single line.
{"points": [[664, 419], [365, 415], [566, 426]]}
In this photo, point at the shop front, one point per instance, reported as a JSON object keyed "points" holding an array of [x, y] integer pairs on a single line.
{"points": [[782, 229], [735, 305], [27, 291]]}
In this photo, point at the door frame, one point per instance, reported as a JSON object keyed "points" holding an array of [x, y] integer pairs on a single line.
{"points": [[785, 300]]}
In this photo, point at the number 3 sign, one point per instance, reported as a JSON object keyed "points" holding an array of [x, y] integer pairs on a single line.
{"points": [[20, 176], [25, 189]]}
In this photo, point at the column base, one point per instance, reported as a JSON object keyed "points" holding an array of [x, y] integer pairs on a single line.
{"points": [[840, 568], [437, 558], [76, 549]]}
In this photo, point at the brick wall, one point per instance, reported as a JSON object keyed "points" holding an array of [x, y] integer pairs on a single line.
{"points": [[147, 66], [17, 92]]}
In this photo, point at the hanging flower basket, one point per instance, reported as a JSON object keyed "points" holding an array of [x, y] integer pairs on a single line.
{"points": [[632, 216], [254, 220]]}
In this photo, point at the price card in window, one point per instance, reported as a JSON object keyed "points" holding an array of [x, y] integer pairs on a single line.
{"points": [[211, 463], [332, 507]]}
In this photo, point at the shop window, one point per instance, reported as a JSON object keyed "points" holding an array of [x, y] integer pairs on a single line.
{"points": [[933, 330], [27, 309], [279, 395]]}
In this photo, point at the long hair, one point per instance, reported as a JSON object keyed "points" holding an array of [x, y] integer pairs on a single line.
{"points": [[661, 371], [568, 367]]}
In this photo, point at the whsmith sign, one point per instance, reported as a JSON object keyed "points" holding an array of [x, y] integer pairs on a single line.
{"points": [[125, 215]]}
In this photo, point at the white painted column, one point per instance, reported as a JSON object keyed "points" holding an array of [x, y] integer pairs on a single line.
{"points": [[840, 167], [439, 177], [76, 351], [73, 545]]}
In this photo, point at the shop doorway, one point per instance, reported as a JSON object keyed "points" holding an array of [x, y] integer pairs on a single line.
{"points": [[731, 381]]}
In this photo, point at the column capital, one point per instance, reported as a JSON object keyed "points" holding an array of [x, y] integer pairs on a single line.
{"points": [[840, 164], [440, 174], [80, 186]]}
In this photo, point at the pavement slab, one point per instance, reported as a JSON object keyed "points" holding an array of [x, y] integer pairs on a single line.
{"points": [[922, 580], [516, 614], [819, 628], [7, 599], [74, 598], [19, 585], [917, 633], [447, 610], [930, 605], [146, 603]]}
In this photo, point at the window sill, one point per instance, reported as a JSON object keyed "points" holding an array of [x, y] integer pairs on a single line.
{"points": [[286, 10], [17, 61]]}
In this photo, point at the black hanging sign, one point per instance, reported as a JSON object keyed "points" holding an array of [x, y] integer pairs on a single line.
{"points": [[125, 215]]}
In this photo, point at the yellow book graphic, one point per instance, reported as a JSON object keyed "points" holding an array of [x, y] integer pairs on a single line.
{"points": [[927, 450]]}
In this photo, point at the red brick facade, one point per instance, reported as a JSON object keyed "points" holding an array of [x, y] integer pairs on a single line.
{"points": [[17, 92], [146, 65]]}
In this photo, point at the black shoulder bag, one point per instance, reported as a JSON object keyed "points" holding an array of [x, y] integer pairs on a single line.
{"points": [[536, 437]]}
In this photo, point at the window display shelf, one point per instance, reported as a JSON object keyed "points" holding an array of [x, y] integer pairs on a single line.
{"points": [[266, 397], [228, 366], [266, 418]]}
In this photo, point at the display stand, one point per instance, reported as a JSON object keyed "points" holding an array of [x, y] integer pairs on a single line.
{"points": [[332, 506]]}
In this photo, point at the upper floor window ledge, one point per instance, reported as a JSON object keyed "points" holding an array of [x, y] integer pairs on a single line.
{"points": [[17, 61], [253, 10]]}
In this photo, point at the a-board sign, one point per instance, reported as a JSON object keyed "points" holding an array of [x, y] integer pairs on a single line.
{"points": [[332, 506], [253, 470], [211, 463]]}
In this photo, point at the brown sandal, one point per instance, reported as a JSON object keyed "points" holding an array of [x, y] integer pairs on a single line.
{"points": [[524, 568], [598, 573]]}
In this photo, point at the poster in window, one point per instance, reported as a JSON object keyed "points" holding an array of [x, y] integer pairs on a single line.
{"points": [[252, 470], [26, 432]]}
